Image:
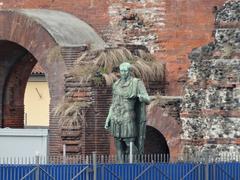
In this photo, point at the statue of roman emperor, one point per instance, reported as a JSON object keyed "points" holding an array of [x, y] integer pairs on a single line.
{"points": [[127, 117]]}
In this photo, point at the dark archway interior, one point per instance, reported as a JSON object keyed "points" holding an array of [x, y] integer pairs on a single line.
{"points": [[16, 64], [155, 142]]}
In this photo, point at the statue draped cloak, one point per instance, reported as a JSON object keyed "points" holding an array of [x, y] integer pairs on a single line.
{"points": [[127, 113]]}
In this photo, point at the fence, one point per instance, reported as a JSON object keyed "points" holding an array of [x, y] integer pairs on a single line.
{"points": [[97, 167], [85, 159]]}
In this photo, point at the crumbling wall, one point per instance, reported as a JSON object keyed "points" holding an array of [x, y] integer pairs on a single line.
{"points": [[164, 115], [170, 29], [211, 105], [131, 24]]}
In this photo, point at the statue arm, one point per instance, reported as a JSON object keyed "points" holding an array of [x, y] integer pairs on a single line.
{"points": [[142, 93], [107, 122]]}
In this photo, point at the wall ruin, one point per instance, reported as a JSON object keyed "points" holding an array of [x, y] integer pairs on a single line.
{"points": [[210, 110]]}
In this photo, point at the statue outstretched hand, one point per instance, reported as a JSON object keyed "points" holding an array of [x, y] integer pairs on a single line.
{"points": [[144, 98], [107, 124]]}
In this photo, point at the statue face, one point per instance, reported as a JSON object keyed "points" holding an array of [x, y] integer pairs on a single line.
{"points": [[124, 72]]}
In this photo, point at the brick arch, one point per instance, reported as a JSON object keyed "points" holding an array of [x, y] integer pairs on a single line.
{"points": [[169, 128], [30, 43], [27, 33], [27, 37], [17, 68], [155, 142]]}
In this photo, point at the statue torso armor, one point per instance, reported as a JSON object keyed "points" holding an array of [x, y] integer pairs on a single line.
{"points": [[123, 116]]}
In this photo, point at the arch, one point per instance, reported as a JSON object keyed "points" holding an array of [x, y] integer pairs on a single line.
{"points": [[155, 142], [28, 36], [16, 67], [169, 128]]}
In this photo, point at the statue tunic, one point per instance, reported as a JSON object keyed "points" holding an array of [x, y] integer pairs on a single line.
{"points": [[122, 121]]}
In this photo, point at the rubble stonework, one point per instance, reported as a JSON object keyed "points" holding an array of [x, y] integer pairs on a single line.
{"points": [[136, 25], [211, 105], [213, 150]]}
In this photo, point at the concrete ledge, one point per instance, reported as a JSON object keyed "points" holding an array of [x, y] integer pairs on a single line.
{"points": [[23, 132]]}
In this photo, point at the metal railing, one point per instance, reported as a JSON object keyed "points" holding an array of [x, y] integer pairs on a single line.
{"points": [[85, 159], [96, 167]]}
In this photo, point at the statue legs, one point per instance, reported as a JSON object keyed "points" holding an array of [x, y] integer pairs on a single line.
{"points": [[123, 148], [120, 149]]}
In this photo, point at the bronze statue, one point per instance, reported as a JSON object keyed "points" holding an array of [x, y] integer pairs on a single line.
{"points": [[127, 117]]}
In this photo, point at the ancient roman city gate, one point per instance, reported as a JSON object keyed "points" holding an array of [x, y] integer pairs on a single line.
{"points": [[55, 40], [30, 36]]}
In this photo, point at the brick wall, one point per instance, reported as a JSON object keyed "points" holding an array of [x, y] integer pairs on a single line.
{"points": [[13, 82], [13, 102], [165, 118], [170, 29]]}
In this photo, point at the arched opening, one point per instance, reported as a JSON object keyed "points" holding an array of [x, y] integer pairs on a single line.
{"points": [[36, 99], [25, 93], [54, 39], [16, 66], [155, 142]]}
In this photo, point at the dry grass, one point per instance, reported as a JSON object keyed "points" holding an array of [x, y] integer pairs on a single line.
{"points": [[135, 72], [144, 69], [84, 71], [110, 78], [99, 66], [71, 114], [111, 58], [82, 58], [84, 68], [144, 55], [148, 70], [158, 70], [103, 63]]}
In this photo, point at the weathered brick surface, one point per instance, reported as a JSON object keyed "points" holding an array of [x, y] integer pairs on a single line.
{"points": [[6, 63], [169, 29], [13, 107], [166, 119], [28, 38]]}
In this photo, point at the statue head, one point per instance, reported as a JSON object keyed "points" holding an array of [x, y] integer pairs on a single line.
{"points": [[125, 70]]}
